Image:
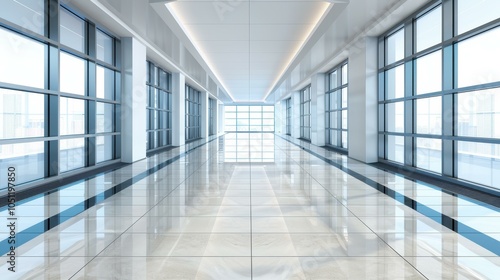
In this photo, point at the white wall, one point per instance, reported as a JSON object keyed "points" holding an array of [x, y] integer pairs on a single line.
{"points": [[134, 96], [178, 109], [296, 114], [318, 109], [362, 101]]}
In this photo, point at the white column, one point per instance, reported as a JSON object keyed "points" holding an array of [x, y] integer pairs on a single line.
{"points": [[204, 114], [362, 101], [178, 109], [296, 114], [318, 109], [278, 118], [216, 117], [220, 121], [134, 96]]}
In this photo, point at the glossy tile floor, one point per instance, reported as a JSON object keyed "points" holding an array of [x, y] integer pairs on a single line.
{"points": [[197, 216]]}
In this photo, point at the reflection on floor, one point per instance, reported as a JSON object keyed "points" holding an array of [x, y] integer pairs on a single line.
{"points": [[197, 216]]}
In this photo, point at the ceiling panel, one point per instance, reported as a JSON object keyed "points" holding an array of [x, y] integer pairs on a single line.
{"points": [[248, 43], [288, 32]]}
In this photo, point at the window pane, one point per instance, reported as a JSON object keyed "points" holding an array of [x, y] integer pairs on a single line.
{"points": [[429, 76], [429, 30], [474, 13], [395, 117], [344, 97], [104, 47], [479, 113], [478, 59], [104, 117], [429, 154], [334, 104], [21, 114], [479, 163], [71, 116], [104, 148], [72, 74], [344, 74], [72, 30], [29, 14], [395, 82], [27, 158], [429, 115], [20, 58], [395, 148], [333, 80], [344, 119], [344, 139], [395, 47], [333, 119], [71, 154], [105, 83]]}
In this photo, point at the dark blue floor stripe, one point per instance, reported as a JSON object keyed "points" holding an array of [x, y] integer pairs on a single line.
{"points": [[51, 222], [474, 235]]}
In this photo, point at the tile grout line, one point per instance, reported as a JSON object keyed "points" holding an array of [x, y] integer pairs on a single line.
{"points": [[454, 225], [60, 218], [381, 239], [139, 218]]}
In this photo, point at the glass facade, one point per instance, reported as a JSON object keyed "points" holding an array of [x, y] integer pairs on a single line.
{"points": [[439, 98], [249, 118], [336, 107], [159, 108], [212, 125], [305, 113], [58, 98], [193, 114], [288, 104]]}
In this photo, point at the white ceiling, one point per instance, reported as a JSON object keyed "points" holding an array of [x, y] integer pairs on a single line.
{"points": [[248, 43]]}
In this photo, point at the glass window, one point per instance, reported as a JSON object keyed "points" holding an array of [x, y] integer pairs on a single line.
{"points": [[344, 98], [344, 75], [344, 139], [395, 47], [344, 119], [29, 14], [71, 154], [429, 119], [333, 80], [27, 158], [478, 59], [105, 83], [104, 117], [72, 30], [429, 154], [20, 58], [479, 113], [104, 148], [395, 117], [334, 120], [395, 82], [429, 29], [395, 148], [474, 13], [71, 116], [479, 163], [429, 73], [104, 50], [72, 74], [22, 114]]}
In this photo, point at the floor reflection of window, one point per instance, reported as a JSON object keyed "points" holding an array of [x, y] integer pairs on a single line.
{"points": [[249, 147]]}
